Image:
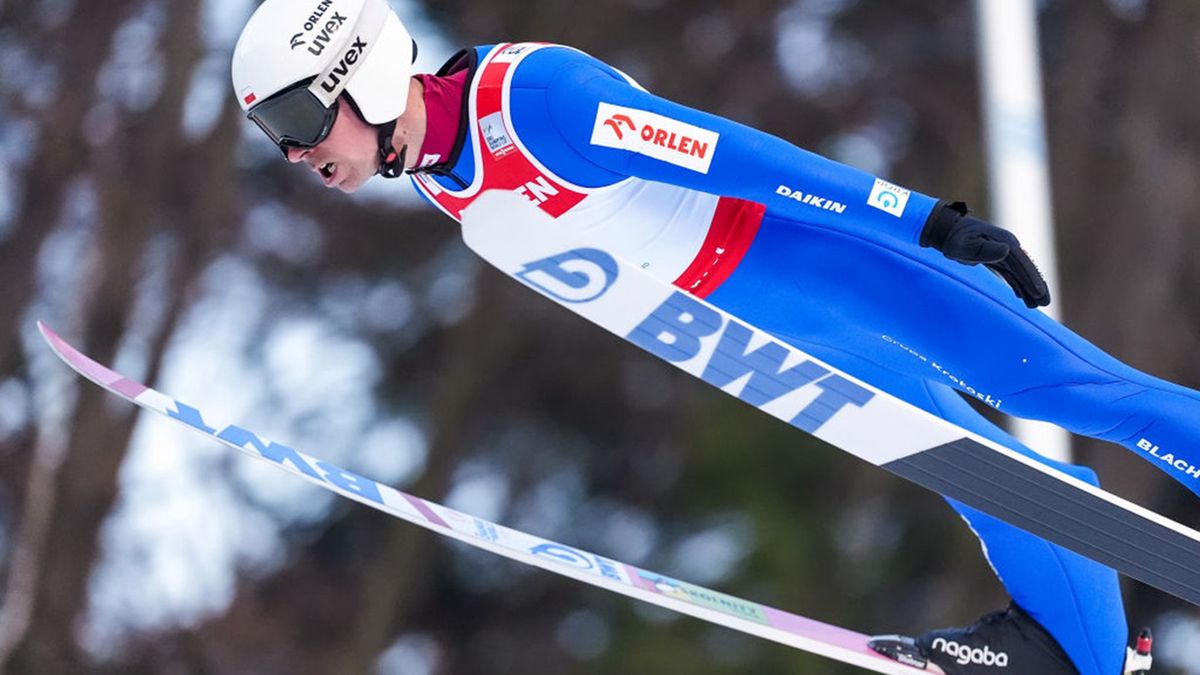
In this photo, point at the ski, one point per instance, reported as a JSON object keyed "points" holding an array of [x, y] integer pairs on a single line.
{"points": [[741, 615], [511, 233]]}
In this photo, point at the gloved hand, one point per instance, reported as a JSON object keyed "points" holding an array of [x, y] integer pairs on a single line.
{"points": [[971, 241]]}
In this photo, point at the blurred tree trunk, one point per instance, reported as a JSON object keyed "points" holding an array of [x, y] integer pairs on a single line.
{"points": [[145, 178], [55, 164]]}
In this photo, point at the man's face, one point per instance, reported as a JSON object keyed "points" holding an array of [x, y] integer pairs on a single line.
{"points": [[348, 156]]}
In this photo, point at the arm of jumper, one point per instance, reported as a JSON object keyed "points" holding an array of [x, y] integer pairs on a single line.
{"points": [[625, 129]]}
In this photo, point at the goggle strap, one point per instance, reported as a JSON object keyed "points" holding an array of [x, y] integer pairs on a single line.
{"points": [[371, 21]]}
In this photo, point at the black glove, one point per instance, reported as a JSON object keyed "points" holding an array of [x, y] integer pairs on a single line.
{"points": [[971, 241]]}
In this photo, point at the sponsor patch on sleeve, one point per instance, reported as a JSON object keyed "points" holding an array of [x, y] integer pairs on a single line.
{"points": [[890, 198], [653, 135]]}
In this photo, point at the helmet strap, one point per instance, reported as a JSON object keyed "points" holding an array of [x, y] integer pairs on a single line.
{"points": [[391, 163]]}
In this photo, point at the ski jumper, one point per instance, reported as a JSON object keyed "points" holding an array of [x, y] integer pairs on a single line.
{"points": [[825, 257]]}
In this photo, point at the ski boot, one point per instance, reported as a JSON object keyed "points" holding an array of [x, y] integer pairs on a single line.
{"points": [[1001, 643], [1008, 641]]}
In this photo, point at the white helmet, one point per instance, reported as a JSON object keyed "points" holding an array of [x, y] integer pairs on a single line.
{"points": [[295, 57]]}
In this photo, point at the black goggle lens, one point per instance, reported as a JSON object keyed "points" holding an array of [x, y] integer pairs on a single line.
{"points": [[295, 118]]}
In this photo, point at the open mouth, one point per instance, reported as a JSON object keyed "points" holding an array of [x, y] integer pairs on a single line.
{"points": [[327, 169]]}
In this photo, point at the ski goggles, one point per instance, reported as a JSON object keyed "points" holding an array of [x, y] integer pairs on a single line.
{"points": [[295, 117]]}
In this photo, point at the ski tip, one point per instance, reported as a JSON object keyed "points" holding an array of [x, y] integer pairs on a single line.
{"points": [[59, 345], [89, 368], [49, 335], [61, 348]]}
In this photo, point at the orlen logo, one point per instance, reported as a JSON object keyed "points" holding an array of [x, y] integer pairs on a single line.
{"points": [[577, 276], [654, 135], [327, 29], [342, 70], [964, 655], [615, 123]]}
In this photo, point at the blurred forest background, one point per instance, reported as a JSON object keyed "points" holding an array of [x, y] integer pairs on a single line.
{"points": [[144, 219]]}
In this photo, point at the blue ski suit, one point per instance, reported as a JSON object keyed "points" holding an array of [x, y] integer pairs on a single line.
{"points": [[827, 258]]}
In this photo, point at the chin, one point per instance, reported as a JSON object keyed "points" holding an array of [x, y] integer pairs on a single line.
{"points": [[351, 186]]}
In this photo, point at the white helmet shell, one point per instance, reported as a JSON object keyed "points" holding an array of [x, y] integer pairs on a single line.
{"points": [[359, 46]]}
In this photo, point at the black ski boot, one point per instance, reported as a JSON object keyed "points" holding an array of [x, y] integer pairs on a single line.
{"points": [[1007, 642], [1002, 643]]}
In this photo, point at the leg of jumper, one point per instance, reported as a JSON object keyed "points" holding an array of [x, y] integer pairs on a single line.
{"points": [[915, 312], [1077, 600], [837, 298]]}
